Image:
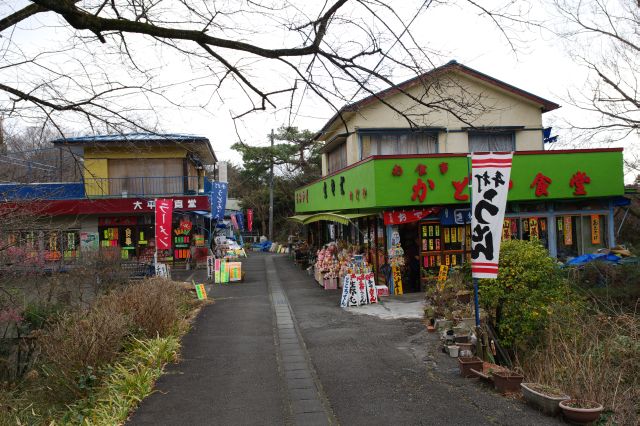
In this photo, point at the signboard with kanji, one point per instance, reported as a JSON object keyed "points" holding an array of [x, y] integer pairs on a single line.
{"points": [[164, 210], [490, 183], [420, 181], [218, 200]]}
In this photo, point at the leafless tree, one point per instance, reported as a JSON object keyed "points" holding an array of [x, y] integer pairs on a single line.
{"points": [[604, 36], [108, 61]]}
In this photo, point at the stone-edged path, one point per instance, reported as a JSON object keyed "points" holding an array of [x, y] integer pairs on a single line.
{"points": [[277, 349]]}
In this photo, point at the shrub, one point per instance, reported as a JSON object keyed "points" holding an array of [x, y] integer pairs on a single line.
{"points": [[520, 301]]}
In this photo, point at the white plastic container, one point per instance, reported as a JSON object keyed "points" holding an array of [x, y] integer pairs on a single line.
{"points": [[453, 351]]}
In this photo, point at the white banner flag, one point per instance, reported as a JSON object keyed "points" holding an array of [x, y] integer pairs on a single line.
{"points": [[490, 185]]}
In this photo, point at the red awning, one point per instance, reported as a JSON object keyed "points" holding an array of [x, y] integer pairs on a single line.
{"points": [[399, 217]]}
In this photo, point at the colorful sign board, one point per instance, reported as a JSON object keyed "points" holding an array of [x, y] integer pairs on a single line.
{"points": [[200, 291], [391, 182], [490, 175], [235, 271]]}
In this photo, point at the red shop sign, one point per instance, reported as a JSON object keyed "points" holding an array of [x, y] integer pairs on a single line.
{"points": [[164, 210], [398, 217]]}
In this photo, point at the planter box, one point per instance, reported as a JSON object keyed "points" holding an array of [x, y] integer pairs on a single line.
{"points": [[466, 364], [549, 405], [507, 381]]}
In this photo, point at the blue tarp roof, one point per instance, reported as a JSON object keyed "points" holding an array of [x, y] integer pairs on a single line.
{"points": [[44, 191]]}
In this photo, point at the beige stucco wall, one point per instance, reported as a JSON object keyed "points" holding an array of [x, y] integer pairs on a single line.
{"points": [[531, 140], [488, 106]]}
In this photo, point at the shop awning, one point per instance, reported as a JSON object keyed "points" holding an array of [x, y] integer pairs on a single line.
{"points": [[300, 218], [343, 218]]}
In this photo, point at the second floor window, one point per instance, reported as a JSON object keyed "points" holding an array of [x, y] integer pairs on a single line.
{"points": [[398, 143], [491, 141], [337, 159]]}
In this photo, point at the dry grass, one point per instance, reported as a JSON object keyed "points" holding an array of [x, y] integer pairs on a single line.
{"points": [[593, 357], [155, 306], [77, 345]]}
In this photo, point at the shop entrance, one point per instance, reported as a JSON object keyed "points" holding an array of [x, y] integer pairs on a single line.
{"points": [[410, 243]]}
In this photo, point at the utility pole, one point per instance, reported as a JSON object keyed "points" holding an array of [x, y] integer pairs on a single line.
{"points": [[271, 191]]}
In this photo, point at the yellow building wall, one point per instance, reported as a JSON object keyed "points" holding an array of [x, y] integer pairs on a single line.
{"points": [[96, 169], [96, 162]]}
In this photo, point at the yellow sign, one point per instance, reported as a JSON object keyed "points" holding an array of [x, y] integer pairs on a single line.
{"points": [[397, 280], [595, 229], [442, 276]]}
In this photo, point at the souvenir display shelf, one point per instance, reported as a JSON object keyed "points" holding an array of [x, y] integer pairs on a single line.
{"points": [[443, 245]]}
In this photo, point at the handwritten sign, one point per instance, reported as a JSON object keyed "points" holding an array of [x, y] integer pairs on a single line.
{"points": [[200, 291], [164, 210], [397, 280], [595, 229], [442, 276], [490, 175]]}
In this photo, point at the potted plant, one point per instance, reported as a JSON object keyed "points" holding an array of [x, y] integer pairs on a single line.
{"points": [[545, 398], [581, 411], [466, 364], [506, 381]]}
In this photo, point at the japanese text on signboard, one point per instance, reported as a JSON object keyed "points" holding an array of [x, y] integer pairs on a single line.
{"points": [[490, 184], [218, 200], [164, 210]]}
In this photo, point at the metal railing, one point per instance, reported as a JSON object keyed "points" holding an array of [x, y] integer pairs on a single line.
{"points": [[139, 186]]}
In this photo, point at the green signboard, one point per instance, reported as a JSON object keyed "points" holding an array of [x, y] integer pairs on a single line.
{"points": [[443, 179]]}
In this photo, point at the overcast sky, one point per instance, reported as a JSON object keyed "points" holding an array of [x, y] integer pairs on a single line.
{"points": [[540, 65]]}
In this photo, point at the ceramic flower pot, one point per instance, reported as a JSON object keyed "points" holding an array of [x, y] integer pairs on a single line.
{"points": [[507, 381], [544, 400], [468, 363], [572, 411]]}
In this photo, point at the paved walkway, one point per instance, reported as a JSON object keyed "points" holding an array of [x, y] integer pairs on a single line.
{"points": [[277, 349]]}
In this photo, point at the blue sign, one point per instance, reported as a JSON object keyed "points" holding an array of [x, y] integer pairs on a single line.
{"points": [[240, 218], [450, 216], [218, 199]]}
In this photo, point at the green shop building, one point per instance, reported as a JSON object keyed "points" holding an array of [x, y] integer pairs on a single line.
{"points": [[397, 162]]}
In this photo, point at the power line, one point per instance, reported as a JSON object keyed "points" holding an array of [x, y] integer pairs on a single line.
{"points": [[29, 161]]}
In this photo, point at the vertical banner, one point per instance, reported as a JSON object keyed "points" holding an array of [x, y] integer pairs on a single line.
{"points": [[595, 229], [490, 185], [240, 218], [234, 221], [397, 280], [164, 210], [250, 220], [218, 200], [216, 271], [568, 231]]}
